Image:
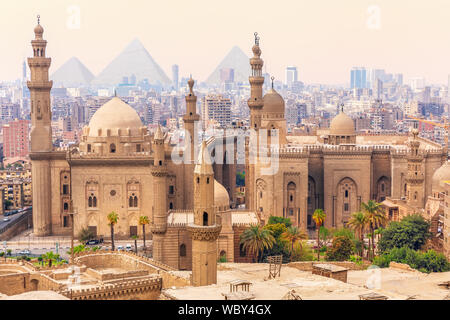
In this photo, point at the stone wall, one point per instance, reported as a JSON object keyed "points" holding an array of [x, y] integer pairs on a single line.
{"points": [[308, 265]]}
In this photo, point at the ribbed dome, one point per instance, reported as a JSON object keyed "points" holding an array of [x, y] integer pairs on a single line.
{"points": [[440, 176], [114, 115], [342, 125], [221, 197], [273, 102]]}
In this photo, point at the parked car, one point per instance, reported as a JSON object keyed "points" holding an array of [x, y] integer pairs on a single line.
{"points": [[119, 248], [25, 252], [92, 242], [5, 219], [128, 247]]}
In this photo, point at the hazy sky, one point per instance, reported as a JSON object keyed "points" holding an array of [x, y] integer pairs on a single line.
{"points": [[323, 38]]}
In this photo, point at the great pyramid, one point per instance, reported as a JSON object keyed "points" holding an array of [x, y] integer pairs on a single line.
{"points": [[237, 60], [73, 73], [134, 59]]}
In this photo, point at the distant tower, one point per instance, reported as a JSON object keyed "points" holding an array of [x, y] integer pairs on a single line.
{"points": [[205, 229], [41, 133], [415, 175], [159, 173], [255, 102], [175, 76]]}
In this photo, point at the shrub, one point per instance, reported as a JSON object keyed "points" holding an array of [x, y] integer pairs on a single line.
{"points": [[344, 232], [302, 252], [341, 249], [429, 261], [356, 259]]}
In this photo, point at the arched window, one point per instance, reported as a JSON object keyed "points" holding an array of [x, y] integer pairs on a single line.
{"points": [[92, 201], [66, 206], [205, 218], [171, 205], [88, 148], [112, 148], [133, 201], [223, 255], [415, 195], [346, 193], [182, 250], [207, 180], [198, 180]]}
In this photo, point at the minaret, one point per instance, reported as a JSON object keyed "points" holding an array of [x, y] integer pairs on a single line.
{"points": [[206, 227], [41, 133], [415, 175], [191, 122], [191, 119], [255, 102], [159, 173], [40, 86]]}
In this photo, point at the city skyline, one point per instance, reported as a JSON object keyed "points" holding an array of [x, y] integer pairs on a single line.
{"points": [[297, 39]]}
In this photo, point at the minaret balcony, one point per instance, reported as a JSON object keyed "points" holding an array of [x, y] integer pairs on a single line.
{"points": [[255, 103], [158, 228], [39, 84], [204, 233]]}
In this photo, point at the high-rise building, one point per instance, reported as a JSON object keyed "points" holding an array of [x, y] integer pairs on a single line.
{"points": [[398, 78], [378, 89], [175, 76], [358, 78], [417, 83], [226, 75], [291, 75], [15, 139], [216, 108]]}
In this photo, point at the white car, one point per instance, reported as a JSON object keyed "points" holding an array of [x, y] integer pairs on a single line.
{"points": [[5, 219], [128, 247], [119, 248]]}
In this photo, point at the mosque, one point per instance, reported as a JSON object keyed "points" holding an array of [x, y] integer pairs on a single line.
{"points": [[120, 166]]}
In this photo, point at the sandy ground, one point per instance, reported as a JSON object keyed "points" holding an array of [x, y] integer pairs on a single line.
{"points": [[393, 283], [36, 295]]}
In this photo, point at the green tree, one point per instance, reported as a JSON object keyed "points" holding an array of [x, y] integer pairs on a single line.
{"points": [[280, 245], [274, 220], [341, 249], [240, 179], [375, 218], [293, 235], [412, 232], [358, 222], [85, 235], [255, 239], [319, 218], [113, 218], [50, 257], [143, 221]]}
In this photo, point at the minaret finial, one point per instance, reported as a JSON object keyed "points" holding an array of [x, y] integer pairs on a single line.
{"points": [[256, 38], [272, 78], [191, 84], [39, 19]]}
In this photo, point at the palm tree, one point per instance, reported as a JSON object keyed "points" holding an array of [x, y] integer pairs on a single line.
{"points": [[135, 237], [143, 220], [375, 218], [50, 256], [358, 222], [294, 235], [112, 219], [255, 239], [319, 218]]}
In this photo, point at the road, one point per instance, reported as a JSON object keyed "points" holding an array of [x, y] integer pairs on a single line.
{"points": [[11, 218]]}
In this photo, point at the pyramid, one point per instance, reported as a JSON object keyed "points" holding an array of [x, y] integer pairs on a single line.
{"points": [[73, 73], [237, 60], [134, 59]]}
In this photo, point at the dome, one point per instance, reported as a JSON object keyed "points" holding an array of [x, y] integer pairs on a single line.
{"points": [[440, 176], [38, 31], [342, 125], [114, 115], [273, 102], [221, 197]]}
